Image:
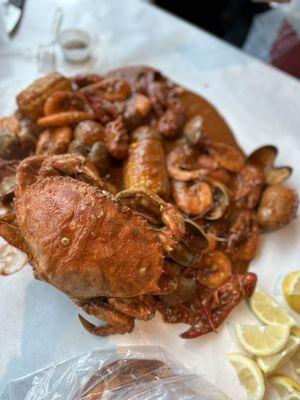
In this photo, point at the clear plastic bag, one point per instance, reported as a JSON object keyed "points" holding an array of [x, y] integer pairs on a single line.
{"points": [[139, 373], [274, 37]]}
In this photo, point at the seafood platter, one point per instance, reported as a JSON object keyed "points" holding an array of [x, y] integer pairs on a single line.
{"points": [[130, 194]]}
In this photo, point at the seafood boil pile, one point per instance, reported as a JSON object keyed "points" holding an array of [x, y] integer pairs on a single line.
{"points": [[130, 194]]}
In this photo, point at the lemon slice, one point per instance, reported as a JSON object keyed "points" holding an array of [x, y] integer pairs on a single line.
{"points": [[291, 290], [262, 340], [286, 387], [250, 376], [271, 363], [268, 311]]}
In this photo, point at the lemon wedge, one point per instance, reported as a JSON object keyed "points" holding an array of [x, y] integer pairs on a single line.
{"points": [[262, 340], [286, 387], [295, 330], [250, 376], [271, 363], [268, 311], [291, 290], [296, 362]]}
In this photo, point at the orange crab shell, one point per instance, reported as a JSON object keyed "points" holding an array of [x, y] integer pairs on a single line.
{"points": [[85, 243]]}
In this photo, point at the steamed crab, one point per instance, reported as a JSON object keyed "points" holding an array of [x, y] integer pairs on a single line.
{"points": [[90, 245]]}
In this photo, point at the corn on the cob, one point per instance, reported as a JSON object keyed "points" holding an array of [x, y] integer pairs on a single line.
{"points": [[31, 100], [145, 168]]}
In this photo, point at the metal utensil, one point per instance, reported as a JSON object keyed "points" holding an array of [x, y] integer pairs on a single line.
{"points": [[13, 10]]}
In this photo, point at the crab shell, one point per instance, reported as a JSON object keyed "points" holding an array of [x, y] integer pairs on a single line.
{"points": [[85, 243]]}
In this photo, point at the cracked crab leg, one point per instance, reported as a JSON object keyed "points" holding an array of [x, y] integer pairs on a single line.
{"points": [[117, 322]]}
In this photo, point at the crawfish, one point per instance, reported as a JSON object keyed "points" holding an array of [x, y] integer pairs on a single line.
{"points": [[116, 138], [145, 168], [216, 304]]}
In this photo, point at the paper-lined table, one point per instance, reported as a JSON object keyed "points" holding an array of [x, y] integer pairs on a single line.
{"points": [[262, 105]]}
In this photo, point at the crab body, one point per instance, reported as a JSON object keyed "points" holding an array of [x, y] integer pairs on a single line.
{"points": [[85, 243], [89, 244]]}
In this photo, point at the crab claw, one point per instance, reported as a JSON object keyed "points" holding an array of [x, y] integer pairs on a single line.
{"points": [[155, 210], [182, 239]]}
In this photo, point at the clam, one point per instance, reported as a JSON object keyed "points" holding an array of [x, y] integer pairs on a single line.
{"points": [[221, 201], [193, 129], [187, 250], [278, 205]]}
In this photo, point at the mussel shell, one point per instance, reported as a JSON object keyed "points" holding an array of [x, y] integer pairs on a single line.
{"points": [[100, 157], [275, 176], [264, 156]]}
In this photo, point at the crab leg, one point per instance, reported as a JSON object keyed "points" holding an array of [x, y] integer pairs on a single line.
{"points": [[117, 322], [133, 307], [13, 236]]}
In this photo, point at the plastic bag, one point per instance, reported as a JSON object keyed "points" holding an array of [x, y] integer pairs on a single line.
{"points": [[139, 373], [274, 37]]}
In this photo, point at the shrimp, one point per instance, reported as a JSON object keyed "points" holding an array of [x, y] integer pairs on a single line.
{"points": [[65, 100], [214, 269], [180, 164], [65, 118], [110, 89], [194, 199]]}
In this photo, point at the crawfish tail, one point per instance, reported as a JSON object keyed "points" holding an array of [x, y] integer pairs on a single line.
{"points": [[145, 168]]}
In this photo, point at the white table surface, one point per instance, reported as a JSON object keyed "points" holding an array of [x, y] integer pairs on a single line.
{"points": [[39, 325]]}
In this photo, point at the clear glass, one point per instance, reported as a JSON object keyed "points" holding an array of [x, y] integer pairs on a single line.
{"points": [[75, 45]]}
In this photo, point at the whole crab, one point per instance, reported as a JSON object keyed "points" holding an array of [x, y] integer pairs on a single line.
{"points": [[90, 245]]}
